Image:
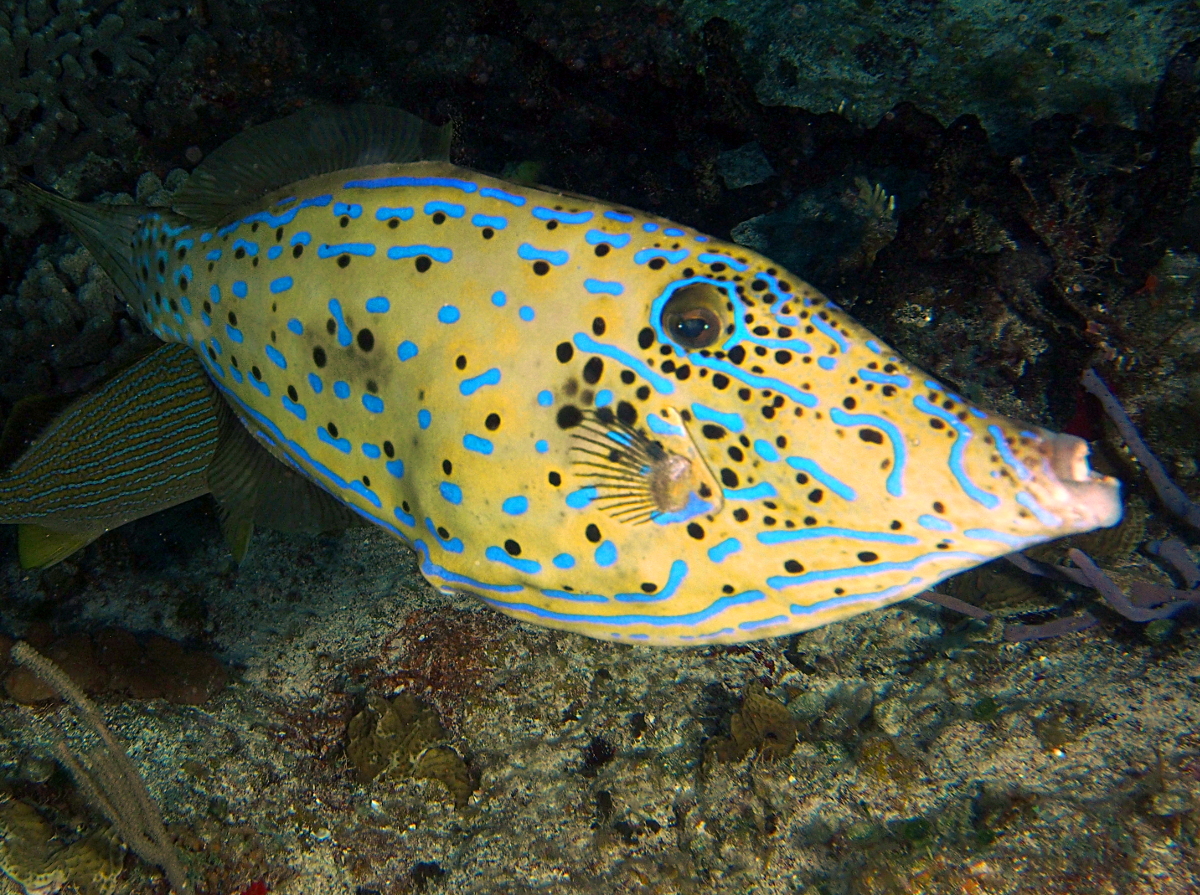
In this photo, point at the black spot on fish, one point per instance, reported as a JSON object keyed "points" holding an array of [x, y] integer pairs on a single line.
{"points": [[366, 480], [783, 357], [720, 381], [551, 225], [207, 308], [182, 253], [256, 373], [279, 234], [174, 307], [870, 435], [443, 532], [815, 495], [422, 264], [438, 218], [741, 514], [564, 352], [592, 532], [240, 253], [343, 261], [569, 417], [372, 386], [649, 587], [627, 376], [737, 354], [729, 478], [331, 429], [867, 556], [344, 221], [656, 263], [331, 326], [711, 431], [896, 525], [939, 507], [319, 356], [512, 548], [554, 478], [393, 224], [447, 467], [293, 394], [487, 232], [682, 372], [389, 449], [598, 326], [297, 250], [794, 567], [735, 454], [626, 413], [696, 530], [602, 249], [232, 319], [643, 392], [593, 370], [541, 268], [849, 403], [461, 362], [366, 339], [492, 423], [645, 338]]}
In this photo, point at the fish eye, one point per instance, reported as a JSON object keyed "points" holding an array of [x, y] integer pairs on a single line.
{"points": [[692, 317]]}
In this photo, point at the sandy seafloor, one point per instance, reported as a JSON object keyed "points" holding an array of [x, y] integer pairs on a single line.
{"points": [[1080, 775]]}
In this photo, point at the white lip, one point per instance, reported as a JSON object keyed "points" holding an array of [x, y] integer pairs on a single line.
{"points": [[1069, 488]]}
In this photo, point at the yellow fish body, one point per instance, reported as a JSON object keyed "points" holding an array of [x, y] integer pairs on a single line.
{"points": [[593, 418]]}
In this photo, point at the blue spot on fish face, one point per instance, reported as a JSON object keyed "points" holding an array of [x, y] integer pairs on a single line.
{"points": [[373, 403], [384, 213], [727, 547], [527, 252], [349, 210], [565, 217], [489, 220], [450, 209], [363, 249], [378, 305], [371, 450], [234, 334], [441, 254], [542, 446], [498, 299], [604, 397], [766, 450], [301, 238], [281, 284], [602, 287], [342, 444], [276, 358], [606, 554], [448, 314], [564, 561], [341, 389], [477, 444], [526, 313], [274, 252], [238, 288], [826, 362], [545, 398], [396, 468], [295, 326], [528, 566], [451, 492], [315, 383], [515, 506], [250, 248], [475, 383], [493, 193], [298, 409], [407, 350], [616, 240], [424, 418], [619, 216], [649, 227], [343, 331], [577, 500]]}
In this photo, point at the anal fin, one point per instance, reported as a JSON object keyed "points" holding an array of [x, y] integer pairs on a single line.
{"points": [[39, 547]]}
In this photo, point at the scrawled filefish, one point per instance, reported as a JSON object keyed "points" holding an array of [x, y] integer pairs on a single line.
{"points": [[151, 436], [593, 418]]}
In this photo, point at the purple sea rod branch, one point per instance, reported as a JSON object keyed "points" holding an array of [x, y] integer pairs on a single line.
{"points": [[1168, 492], [1116, 598]]}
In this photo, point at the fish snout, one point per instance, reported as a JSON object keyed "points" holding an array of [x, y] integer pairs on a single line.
{"points": [[1069, 488]]}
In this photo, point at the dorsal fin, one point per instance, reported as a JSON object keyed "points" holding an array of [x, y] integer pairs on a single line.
{"points": [[316, 141]]}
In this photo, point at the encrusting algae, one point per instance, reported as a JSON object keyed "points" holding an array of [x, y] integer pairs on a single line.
{"points": [[593, 418]]}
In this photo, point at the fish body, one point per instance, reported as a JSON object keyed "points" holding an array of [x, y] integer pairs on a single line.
{"points": [[593, 418]]}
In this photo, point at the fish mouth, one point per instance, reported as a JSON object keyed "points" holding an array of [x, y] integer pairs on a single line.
{"points": [[1069, 488]]}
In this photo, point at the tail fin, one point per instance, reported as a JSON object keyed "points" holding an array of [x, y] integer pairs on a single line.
{"points": [[107, 231]]}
